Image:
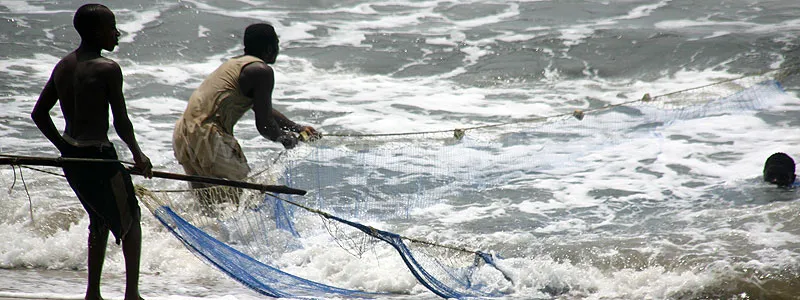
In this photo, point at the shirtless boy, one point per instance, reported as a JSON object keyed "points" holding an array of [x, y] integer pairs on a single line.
{"points": [[86, 84]]}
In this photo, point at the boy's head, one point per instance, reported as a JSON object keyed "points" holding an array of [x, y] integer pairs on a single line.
{"points": [[260, 40], [97, 25], [779, 169]]}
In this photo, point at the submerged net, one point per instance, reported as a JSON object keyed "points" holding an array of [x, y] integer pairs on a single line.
{"points": [[246, 242], [354, 180]]}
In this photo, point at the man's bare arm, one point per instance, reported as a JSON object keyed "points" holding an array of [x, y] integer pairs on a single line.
{"points": [[306, 132], [41, 115], [258, 80], [284, 122], [122, 123]]}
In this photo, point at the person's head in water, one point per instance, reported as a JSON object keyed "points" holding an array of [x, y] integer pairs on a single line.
{"points": [[260, 40], [97, 26], [779, 169]]}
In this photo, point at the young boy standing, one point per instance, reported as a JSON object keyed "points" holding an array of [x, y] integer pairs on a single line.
{"points": [[86, 85]]}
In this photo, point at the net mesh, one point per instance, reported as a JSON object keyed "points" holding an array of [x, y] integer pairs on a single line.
{"points": [[358, 183]]}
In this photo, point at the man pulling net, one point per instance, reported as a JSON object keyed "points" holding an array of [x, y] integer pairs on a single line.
{"points": [[203, 140]]}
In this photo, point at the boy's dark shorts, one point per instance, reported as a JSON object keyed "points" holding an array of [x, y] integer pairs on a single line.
{"points": [[104, 188]]}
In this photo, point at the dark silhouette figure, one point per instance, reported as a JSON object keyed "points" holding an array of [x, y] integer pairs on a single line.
{"points": [[86, 85]]}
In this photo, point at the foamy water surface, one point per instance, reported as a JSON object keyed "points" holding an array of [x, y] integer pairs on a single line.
{"points": [[677, 211]]}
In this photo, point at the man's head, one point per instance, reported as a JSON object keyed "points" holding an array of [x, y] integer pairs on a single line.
{"points": [[779, 169], [97, 25], [260, 40]]}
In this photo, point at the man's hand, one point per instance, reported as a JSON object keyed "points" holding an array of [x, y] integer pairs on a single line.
{"points": [[309, 134], [142, 164], [288, 140]]}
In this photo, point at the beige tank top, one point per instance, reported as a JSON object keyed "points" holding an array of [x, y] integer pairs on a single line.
{"points": [[203, 137], [219, 99]]}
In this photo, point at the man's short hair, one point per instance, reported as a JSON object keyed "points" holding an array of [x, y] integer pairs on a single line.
{"points": [[779, 169], [88, 17], [260, 37]]}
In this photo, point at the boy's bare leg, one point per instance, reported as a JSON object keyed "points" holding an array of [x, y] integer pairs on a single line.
{"points": [[132, 249], [97, 255]]}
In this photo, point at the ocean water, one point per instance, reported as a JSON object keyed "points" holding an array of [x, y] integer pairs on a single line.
{"points": [[676, 214]]}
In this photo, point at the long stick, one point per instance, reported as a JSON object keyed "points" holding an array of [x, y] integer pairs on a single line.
{"points": [[59, 162]]}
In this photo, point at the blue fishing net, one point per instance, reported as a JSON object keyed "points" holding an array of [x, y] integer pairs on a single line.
{"points": [[250, 272]]}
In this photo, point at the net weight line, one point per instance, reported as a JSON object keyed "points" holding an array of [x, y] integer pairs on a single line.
{"points": [[780, 74]]}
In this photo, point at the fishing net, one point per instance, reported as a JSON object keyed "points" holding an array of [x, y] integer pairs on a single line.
{"points": [[392, 176], [246, 241], [364, 189]]}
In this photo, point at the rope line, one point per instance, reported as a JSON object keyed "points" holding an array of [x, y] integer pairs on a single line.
{"points": [[579, 114], [42, 171], [13, 183], [374, 231], [27, 193]]}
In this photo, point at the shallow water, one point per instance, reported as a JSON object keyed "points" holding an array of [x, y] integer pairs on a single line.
{"points": [[676, 212]]}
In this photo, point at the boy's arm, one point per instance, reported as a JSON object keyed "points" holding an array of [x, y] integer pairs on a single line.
{"points": [[41, 115], [122, 124]]}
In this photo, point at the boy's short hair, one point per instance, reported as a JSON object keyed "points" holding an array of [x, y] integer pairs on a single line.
{"points": [[259, 37], [88, 17], [779, 169]]}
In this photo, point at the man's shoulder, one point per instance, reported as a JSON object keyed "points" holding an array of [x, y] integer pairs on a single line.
{"points": [[258, 68], [104, 63], [67, 62], [103, 67]]}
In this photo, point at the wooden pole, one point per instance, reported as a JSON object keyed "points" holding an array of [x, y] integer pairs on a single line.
{"points": [[59, 162]]}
